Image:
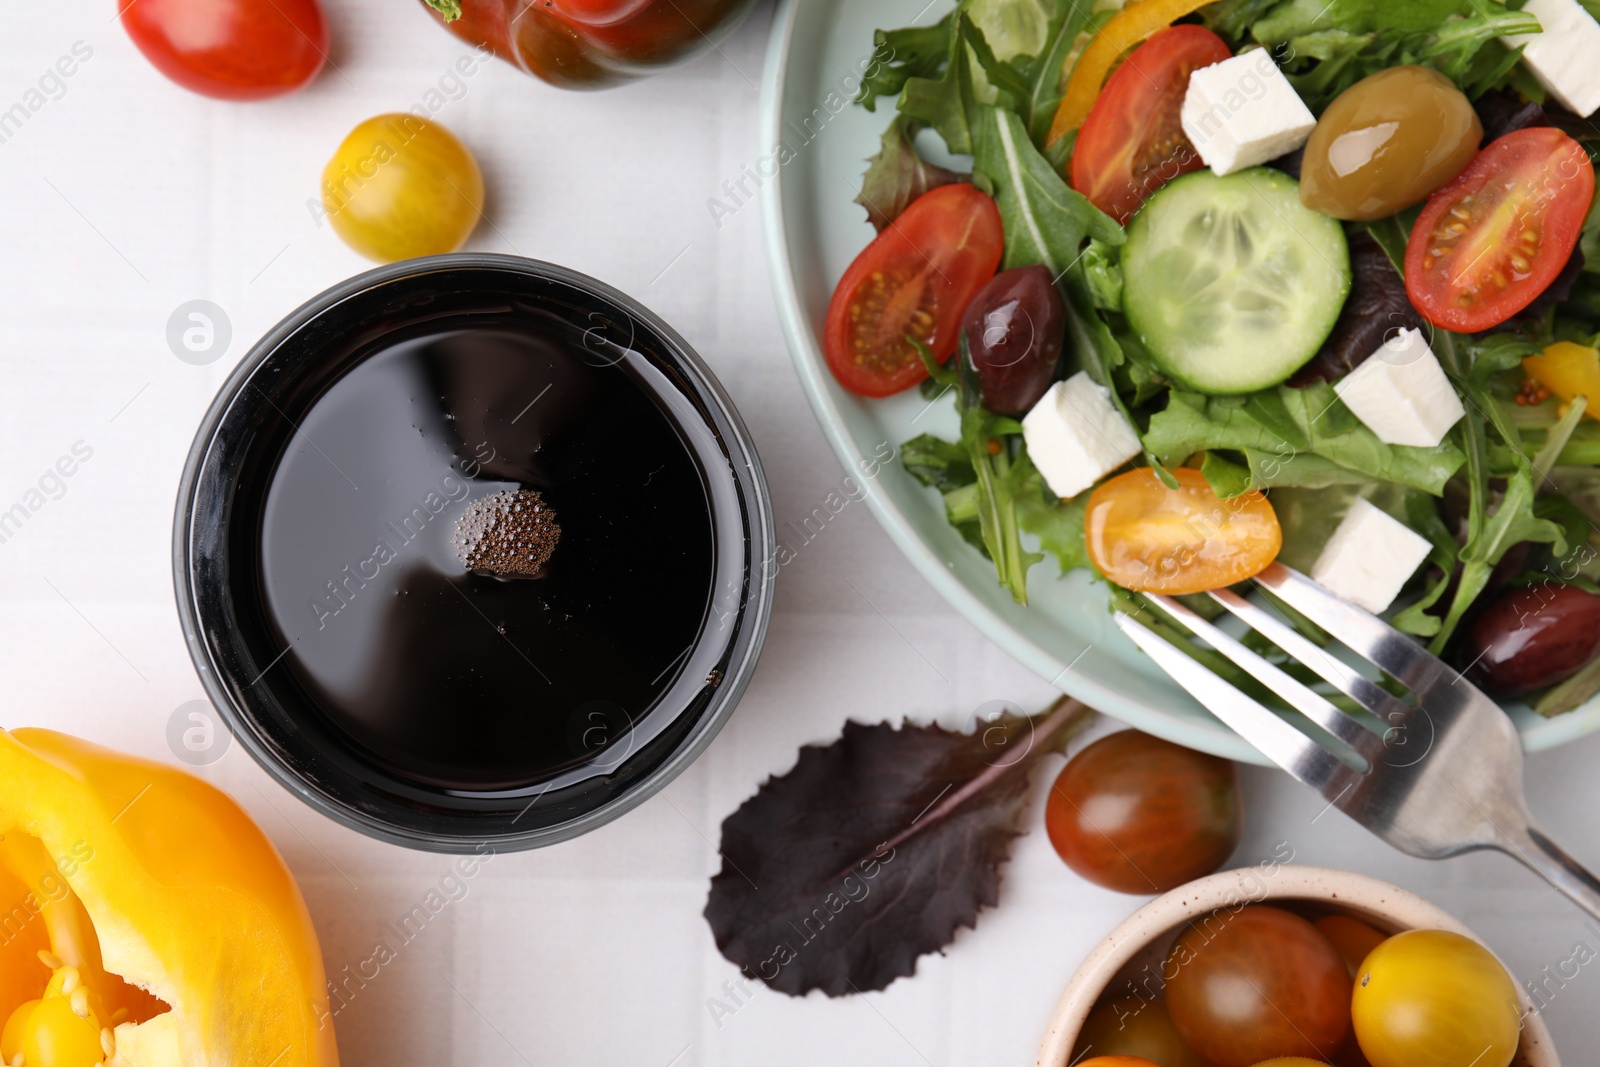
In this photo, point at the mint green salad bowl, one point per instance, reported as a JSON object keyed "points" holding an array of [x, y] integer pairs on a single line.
{"points": [[813, 146]]}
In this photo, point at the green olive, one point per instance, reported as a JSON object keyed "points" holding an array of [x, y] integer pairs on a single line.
{"points": [[1387, 142]]}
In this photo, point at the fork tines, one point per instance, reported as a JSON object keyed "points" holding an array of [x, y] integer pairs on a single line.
{"points": [[1304, 753]]}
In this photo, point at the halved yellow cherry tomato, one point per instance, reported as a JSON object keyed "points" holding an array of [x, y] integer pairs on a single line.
{"points": [[1126, 30], [1430, 998], [1568, 370], [1146, 537], [400, 187]]}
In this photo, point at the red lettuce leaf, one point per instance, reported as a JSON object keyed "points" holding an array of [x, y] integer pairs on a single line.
{"points": [[897, 175], [874, 850]]}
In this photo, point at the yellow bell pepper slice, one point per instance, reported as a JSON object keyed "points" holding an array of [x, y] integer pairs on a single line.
{"points": [[1568, 370], [1126, 30], [145, 920]]}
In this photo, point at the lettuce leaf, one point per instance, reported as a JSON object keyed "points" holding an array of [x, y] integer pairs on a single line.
{"points": [[1327, 47], [912, 52], [897, 175], [1300, 437], [1299, 17]]}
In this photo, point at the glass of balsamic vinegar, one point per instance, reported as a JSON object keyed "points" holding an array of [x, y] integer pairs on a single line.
{"points": [[473, 550]]}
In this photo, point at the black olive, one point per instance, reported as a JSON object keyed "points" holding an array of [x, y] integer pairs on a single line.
{"points": [[1014, 327], [1531, 637]]}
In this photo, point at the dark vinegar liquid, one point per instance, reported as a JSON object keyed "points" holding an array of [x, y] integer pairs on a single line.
{"points": [[467, 681]]}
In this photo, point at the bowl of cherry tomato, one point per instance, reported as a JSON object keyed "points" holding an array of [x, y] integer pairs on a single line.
{"points": [[1291, 966]]}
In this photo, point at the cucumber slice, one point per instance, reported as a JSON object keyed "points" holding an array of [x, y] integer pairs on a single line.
{"points": [[1231, 283]]}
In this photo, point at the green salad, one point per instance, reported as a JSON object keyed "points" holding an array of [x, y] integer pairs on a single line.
{"points": [[1218, 284]]}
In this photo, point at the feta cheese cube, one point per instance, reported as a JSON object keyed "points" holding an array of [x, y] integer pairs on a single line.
{"points": [[1565, 56], [1401, 393], [1242, 112], [1369, 557], [1076, 436]]}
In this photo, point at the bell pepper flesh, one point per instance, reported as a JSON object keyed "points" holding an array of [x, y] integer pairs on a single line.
{"points": [[1569, 370], [166, 930], [1126, 30]]}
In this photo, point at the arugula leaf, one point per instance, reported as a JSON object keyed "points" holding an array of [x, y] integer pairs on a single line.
{"points": [[1573, 693], [1003, 79], [1038, 105], [947, 102], [1299, 17], [912, 52], [1005, 475], [1495, 521], [937, 463], [1422, 515], [897, 175], [1294, 437], [1326, 48], [1511, 522], [1233, 18], [973, 77], [1048, 222], [1058, 524]]}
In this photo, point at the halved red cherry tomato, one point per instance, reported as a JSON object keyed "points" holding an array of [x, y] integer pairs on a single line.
{"points": [[1146, 537], [1496, 235], [230, 49], [915, 278], [1133, 143]]}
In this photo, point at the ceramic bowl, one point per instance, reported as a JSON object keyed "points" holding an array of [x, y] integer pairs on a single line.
{"points": [[1143, 938]]}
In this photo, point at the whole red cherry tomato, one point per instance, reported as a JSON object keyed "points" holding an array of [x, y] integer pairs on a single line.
{"points": [[230, 49], [1138, 814], [1245, 986]]}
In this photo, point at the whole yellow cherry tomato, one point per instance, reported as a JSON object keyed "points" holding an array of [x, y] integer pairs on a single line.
{"points": [[1146, 537], [1431, 998], [400, 187]]}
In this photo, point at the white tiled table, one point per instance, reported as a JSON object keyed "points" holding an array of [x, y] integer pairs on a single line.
{"points": [[126, 197]]}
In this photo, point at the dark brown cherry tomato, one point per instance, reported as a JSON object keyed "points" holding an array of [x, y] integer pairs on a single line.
{"points": [[1353, 939], [1532, 637], [230, 49], [914, 280], [1132, 142], [1133, 1026], [1138, 814], [1494, 237], [1015, 326], [1245, 986]]}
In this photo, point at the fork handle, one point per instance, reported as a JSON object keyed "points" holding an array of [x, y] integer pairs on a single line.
{"points": [[1551, 862]]}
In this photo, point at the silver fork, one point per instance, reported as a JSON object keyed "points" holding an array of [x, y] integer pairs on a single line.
{"points": [[1434, 778]]}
